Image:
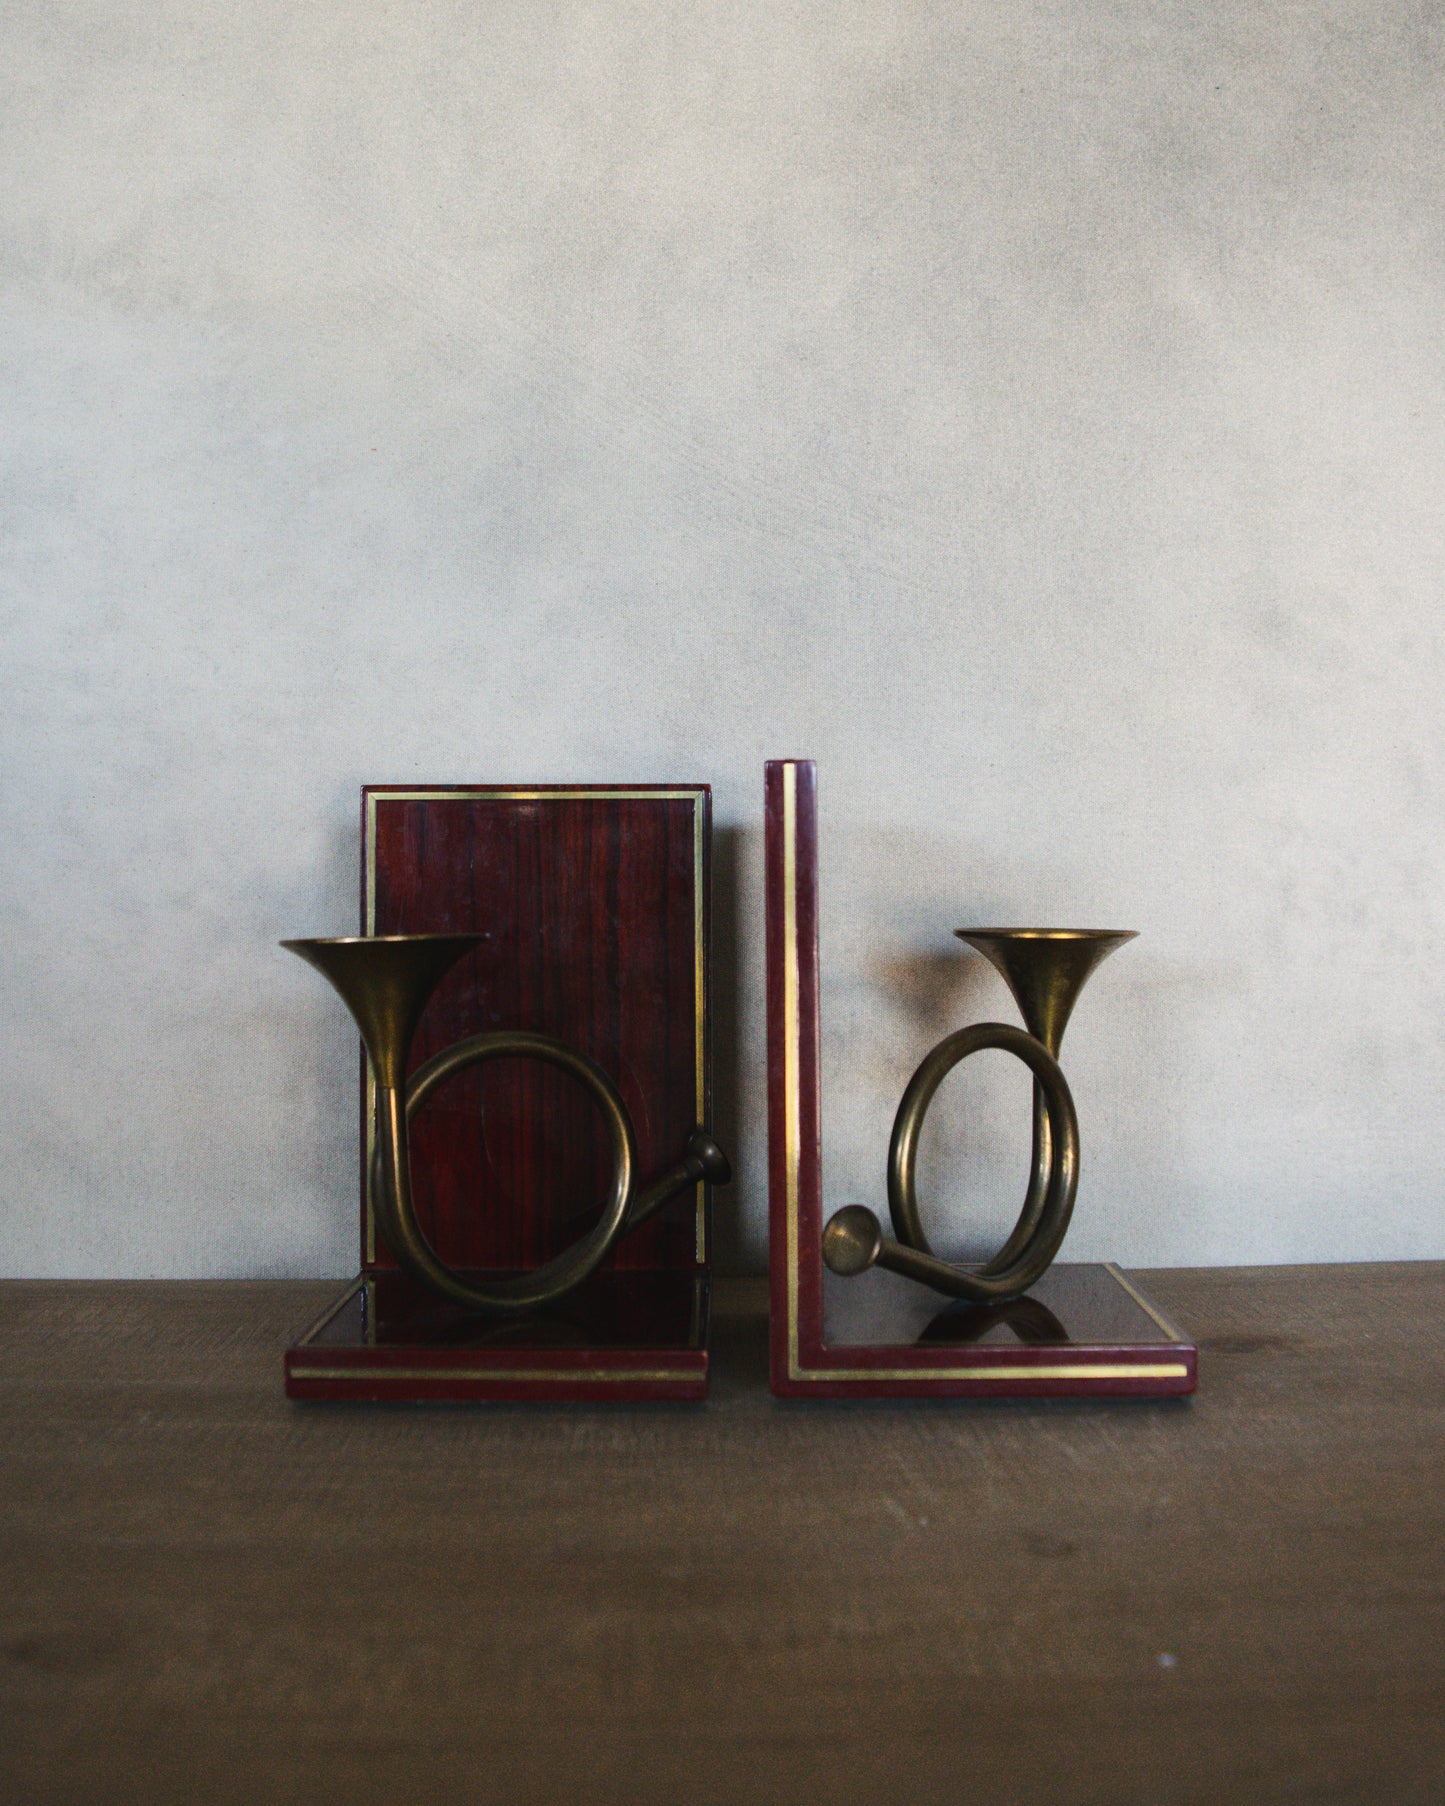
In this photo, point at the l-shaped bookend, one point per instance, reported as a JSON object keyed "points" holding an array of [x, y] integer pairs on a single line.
{"points": [[856, 1313]]}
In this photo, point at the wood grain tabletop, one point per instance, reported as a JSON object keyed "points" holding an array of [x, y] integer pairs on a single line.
{"points": [[210, 1595]]}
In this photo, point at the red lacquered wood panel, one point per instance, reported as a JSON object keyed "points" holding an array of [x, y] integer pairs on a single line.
{"points": [[1083, 1331], [624, 1336], [594, 901]]}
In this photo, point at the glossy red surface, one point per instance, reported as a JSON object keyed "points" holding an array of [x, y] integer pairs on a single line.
{"points": [[1084, 1331], [589, 897], [624, 1335]]}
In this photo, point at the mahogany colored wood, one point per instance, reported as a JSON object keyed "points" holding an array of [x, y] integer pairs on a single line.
{"points": [[879, 1336], [594, 903]]}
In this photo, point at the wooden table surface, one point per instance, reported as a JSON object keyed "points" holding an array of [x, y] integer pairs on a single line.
{"points": [[210, 1595]]}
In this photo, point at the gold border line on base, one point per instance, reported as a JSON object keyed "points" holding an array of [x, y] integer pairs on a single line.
{"points": [[1143, 1303], [502, 1375], [484, 794], [331, 1311], [1091, 1370]]}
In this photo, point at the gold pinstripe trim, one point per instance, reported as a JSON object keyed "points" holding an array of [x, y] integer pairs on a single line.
{"points": [[792, 1103], [1093, 1370], [495, 1374], [331, 1311], [1144, 1304]]}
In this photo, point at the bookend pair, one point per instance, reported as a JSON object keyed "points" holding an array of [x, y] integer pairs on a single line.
{"points": [[531, 986]]}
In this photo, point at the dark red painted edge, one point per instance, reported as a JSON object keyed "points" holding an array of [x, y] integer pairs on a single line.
{"points": [[388, 1373], [395, 1388], [809, 1049]]}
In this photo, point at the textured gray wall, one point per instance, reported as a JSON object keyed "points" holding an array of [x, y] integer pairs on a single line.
{"points": [[1031, 411]]}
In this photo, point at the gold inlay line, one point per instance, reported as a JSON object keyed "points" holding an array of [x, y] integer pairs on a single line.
{"points": [[372, 1375], [699, 993], [792, 1130], [369, 927], [1164, 1370], [1143, 1303], [488, 794], [331, 1311]]}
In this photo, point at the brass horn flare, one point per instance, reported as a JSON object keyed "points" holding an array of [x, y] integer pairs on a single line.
{"points": [[1046, 969], [386, 982]]}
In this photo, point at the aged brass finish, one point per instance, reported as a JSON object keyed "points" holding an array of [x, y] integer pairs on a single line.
{"points": [[1046, 969], [1044, 1219], [386, 982]]}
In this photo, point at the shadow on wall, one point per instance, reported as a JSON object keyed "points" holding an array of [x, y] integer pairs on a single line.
{"points": [[314, 1060], [727, 978], [894, 983]]}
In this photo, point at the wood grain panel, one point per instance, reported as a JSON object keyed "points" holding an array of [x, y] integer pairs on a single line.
{"points": [[594, 904]]}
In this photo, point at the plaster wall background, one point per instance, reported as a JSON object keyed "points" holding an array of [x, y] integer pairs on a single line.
{"points": [[1033, 411]]}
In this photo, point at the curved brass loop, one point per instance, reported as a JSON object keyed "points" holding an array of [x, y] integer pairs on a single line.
{"points": [[854, 1240], [703, 1160], [1045, 1237], [398, 1216], [385, 981]]}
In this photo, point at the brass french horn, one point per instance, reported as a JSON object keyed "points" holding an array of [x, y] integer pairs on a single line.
{"points": [[1046, 969], [386, 982]]}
